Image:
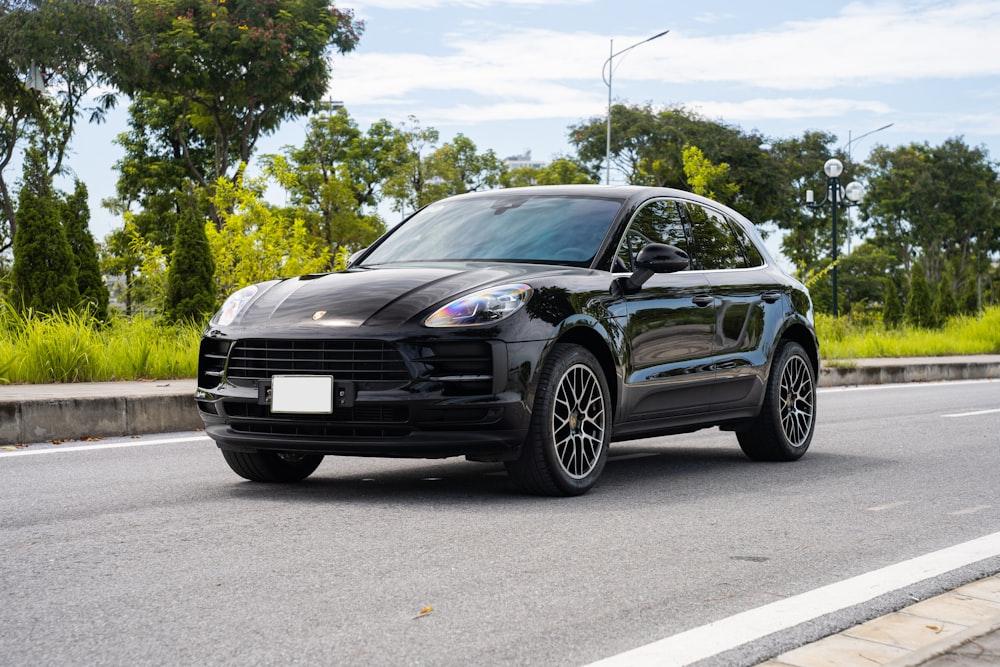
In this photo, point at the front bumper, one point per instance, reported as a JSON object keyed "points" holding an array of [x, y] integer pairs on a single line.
{"points": [[421, 417]]}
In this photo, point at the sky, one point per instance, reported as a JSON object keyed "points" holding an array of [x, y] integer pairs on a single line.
{"points": [[514, 75]]}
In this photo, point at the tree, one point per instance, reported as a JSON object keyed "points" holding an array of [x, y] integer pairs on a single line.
{"points": [[44, 271], [76, 220], [561, 171], [257, 243], [919, 310], [191, 293], [892, 313], [336, 178], [237, 69], [64, 50], [945, 303], [429, 172], [706, 179]]}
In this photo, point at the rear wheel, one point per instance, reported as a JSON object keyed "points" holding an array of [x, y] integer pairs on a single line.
{"points": [[567, 443], [784, 428], [272, 466]]}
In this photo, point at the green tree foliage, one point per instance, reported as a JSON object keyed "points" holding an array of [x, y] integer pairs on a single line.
{"points": [[44, 271], [64, 50], [429, 172], [919, 308], [945, 304], [707, 179], [892, 313], [76, 221], [934, 203], [191, 293], [237, 69], [336, 177], [561, 171], [647, 148], [257, 243]]}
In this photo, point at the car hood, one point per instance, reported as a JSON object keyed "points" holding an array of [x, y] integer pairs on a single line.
{"points": [[378, 297]]}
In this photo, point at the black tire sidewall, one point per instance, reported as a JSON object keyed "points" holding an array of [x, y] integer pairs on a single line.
{"points": [[563, 358], [789, 351]]}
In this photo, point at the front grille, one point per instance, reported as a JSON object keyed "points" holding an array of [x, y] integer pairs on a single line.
{"points": [[367, 420], [371, 365]]}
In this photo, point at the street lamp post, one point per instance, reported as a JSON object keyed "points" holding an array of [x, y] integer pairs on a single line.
{"points": [[853, 194], [609, 68]]}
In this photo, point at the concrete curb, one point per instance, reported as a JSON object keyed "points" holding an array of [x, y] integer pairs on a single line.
{"points": [[37, 413], [890, 372]]}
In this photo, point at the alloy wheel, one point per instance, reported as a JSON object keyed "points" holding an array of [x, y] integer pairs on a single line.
{"points": [[578, 421]]}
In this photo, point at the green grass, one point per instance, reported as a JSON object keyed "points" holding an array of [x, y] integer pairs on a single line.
{"points": [[41, 349], [859, 338], [70, 347]]}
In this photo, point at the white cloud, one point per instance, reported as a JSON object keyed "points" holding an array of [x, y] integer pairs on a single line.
{"points": [[493, 71]]}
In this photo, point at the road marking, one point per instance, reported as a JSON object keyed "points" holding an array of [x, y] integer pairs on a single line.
{"points": [[973, 414], [58, 449], [971, 510], [728, 633], [882, 508]]}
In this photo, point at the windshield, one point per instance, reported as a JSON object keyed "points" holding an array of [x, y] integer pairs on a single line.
{"points": [[557, 229]]}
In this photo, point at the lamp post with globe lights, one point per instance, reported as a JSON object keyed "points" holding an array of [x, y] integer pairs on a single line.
{"points": [[853, 193]]}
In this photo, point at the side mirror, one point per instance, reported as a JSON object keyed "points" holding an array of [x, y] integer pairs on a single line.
{"points": [[660, 258], [652, 258]]}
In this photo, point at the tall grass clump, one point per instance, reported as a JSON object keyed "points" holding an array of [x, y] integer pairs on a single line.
{"points": [[853, 337], [40, 348]]}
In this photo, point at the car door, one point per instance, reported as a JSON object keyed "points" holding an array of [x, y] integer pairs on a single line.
{"points": [[748, 302], [669, 324]]}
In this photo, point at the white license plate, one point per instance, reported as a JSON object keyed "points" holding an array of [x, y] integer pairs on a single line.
{"points": [[303, 394]]}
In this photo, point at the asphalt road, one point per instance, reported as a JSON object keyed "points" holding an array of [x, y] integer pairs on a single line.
{"points": [[158, 554]]}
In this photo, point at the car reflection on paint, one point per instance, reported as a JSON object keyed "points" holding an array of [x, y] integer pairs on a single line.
{"points": [[529, 326]]}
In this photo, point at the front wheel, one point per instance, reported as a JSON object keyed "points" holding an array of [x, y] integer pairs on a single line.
{"points": [[787, 419], [272, 466], [567, 443]]}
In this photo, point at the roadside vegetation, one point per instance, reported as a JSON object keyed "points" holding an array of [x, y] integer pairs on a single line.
{"points": [[918, 262], [37, 348]]}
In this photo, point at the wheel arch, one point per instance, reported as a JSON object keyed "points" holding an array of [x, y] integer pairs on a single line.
{"points": [[802, 335], [591, 340]]}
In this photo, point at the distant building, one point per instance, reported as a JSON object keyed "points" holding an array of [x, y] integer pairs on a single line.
{"points": [[521, 161]]}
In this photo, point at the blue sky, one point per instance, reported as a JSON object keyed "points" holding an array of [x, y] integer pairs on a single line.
{"points": [[513, 75]]}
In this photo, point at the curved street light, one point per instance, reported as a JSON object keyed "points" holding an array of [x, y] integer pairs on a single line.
{"points": [[833, 168], [609, 68]]}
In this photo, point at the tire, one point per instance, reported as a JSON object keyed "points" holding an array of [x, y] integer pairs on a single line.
{"points": [[784, 428], [567, 443], [272, 466]]}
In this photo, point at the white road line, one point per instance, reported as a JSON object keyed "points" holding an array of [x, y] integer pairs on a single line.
{"points": [[889, 506], [728, 633], [970, 510], [107, 445], [973, 414]]}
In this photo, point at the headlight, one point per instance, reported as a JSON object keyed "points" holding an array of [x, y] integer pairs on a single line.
{"points": [[234, 304], [485, 307]]}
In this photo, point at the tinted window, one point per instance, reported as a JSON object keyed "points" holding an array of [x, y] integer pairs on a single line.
{"points": [[505, 228], [715, 245], [658, 221], [750, 251]]}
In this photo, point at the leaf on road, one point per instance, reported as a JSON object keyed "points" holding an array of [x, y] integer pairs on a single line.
{"points": [[424, 612]]}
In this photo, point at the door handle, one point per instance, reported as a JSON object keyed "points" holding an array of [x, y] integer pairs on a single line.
{"points": [[771, 296], [703, 300]]}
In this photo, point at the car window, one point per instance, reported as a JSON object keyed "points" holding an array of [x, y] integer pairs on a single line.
{"points": [[750, 250], [558, 229], [715, 245], [658, 221]]}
